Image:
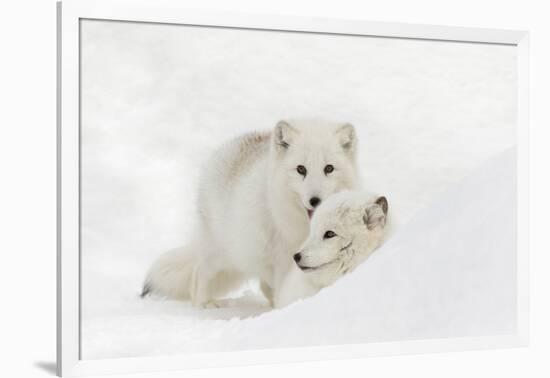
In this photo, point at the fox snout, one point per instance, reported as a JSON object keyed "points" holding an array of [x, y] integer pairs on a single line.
{"points": [[314, 201], [297, 258]]}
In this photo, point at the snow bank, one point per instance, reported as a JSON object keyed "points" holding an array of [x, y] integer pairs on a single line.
{"points": [[450, 272]]}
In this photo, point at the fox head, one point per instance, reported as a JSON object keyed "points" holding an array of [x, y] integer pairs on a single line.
{"points": [[312, 160], [345, 230]]}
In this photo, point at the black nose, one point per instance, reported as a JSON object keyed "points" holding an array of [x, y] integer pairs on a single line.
{"points": [[297, 257], [314, 201]]}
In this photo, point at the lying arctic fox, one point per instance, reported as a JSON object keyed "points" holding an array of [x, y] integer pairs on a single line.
{"points": [[256, 197], [345, 230]]}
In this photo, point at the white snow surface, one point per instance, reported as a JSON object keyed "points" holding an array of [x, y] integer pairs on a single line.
{"points": [[436, 123]]}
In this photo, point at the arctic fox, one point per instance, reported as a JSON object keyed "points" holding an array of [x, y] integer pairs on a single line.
{"points": [[345, 230], [256, 198]]}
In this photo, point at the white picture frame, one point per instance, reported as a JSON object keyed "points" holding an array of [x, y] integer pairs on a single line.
{"points": [[169, 11]]}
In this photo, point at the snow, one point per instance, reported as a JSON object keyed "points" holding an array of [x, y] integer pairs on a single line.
{"points": [[436, 123]]}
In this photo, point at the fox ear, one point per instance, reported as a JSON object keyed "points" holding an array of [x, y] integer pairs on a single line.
{"points": [[346, 137], [376, 213], [283, 134]]}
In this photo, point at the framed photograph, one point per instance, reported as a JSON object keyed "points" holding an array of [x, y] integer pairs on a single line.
{"points": [[248, 188]]}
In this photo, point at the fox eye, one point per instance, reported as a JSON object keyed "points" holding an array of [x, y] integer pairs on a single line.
{"points": [[301, 170], [329, 234], [328, 169]]}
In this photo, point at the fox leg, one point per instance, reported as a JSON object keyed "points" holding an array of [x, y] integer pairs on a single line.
{"points": [[201, 285], [267, 291]]}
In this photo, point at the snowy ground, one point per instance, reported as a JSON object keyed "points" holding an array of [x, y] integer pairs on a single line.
{"points": [[157, 99]]}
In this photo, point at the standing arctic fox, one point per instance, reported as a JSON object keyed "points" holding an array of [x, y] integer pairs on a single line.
{"points": [[345, 230], [256, 198]]}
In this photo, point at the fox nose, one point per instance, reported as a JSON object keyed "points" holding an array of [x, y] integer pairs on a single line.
{"points": [[297, 257], [314, 201]]}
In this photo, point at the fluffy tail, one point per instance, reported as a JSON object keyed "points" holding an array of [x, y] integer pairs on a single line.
{"points": [[172, 274], [184, 274]]}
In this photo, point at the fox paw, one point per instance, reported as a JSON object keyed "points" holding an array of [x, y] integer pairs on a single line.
{"points": [[211, 304]]}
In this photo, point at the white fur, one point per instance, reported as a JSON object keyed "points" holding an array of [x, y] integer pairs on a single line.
{"points": [[358, 221], [253, 209]]}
